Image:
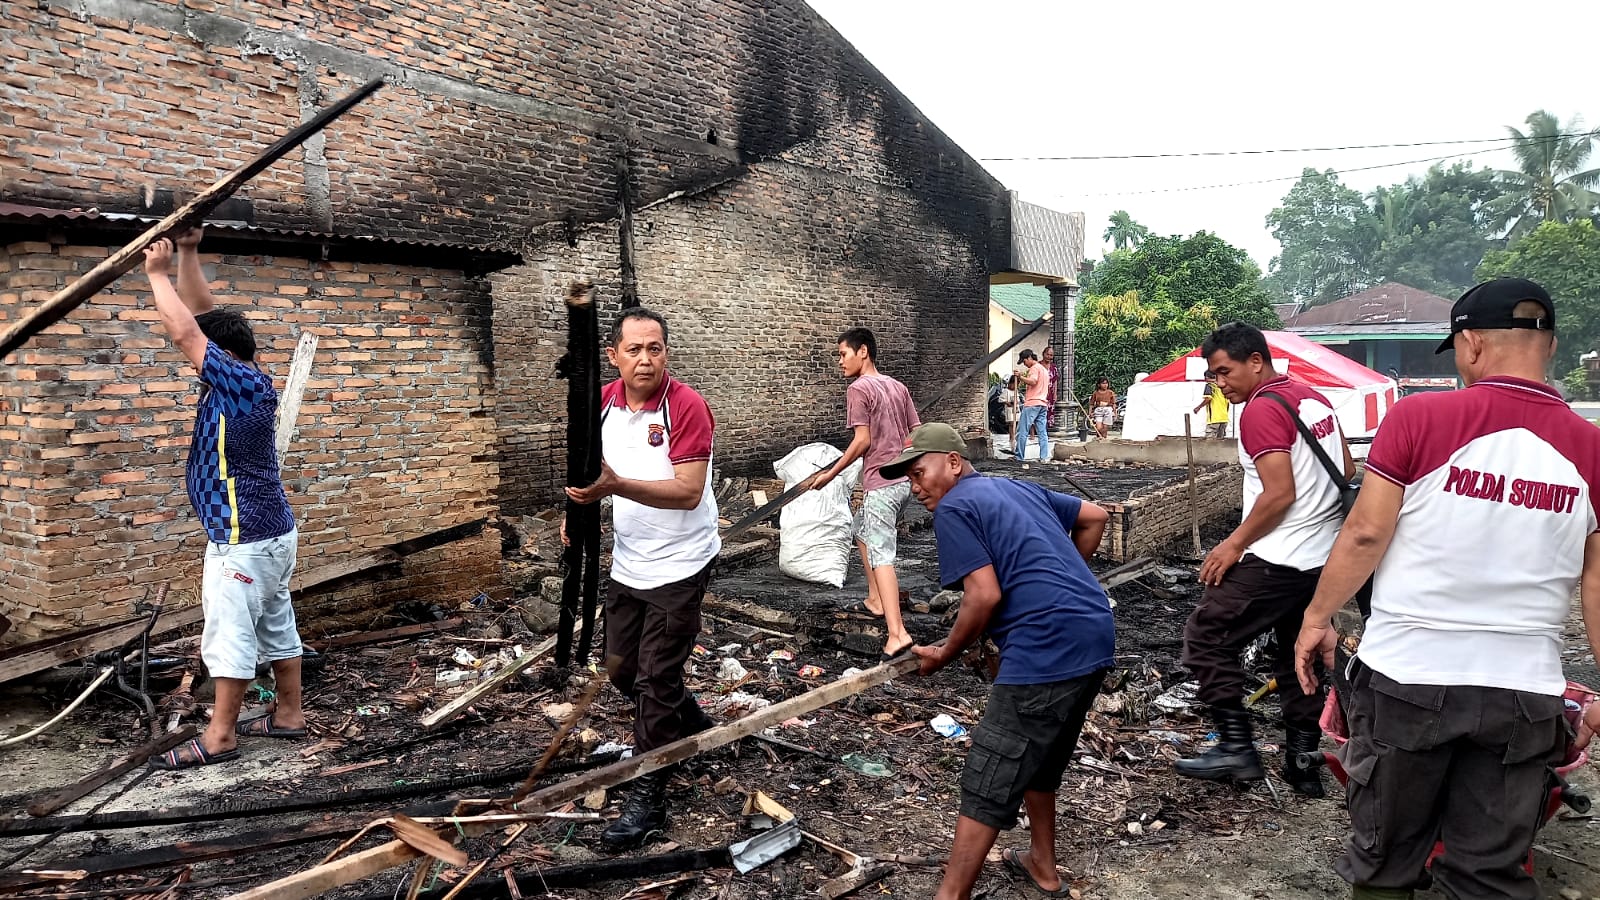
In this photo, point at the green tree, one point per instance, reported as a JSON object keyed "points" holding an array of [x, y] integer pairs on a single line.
{"points": [[1434, 230], [1328, 235], [1550, 183], [1144, 307], [1121, 335], [1123, 232], [1564, 258]]}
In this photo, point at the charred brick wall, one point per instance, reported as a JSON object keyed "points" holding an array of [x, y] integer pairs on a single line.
{"points": [[396, 434]]}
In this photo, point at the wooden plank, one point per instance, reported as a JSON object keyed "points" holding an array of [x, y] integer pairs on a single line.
{"points": [[428, 841], [316, 576], [983, 364], [457, 706], [49, 803], [294, 391], [47, 654], [185, 852], [187, 216], [1137, 568], [367, 863], [362, 638]]}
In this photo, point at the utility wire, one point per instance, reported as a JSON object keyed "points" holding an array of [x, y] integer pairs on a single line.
{"points": [[1331, 172], [1499, 140]]}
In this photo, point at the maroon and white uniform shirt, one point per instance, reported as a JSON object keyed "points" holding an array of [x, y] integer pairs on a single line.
{"points": [[1306, 534], [656, 547], [1499, 501]]}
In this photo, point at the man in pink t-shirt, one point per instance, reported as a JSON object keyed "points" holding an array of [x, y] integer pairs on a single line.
{"points": [[1035, 377], [880, 411]]}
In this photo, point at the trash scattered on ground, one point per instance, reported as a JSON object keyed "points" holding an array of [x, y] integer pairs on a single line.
{"points": [[797, 723], [701, 651], [731, 670], [948, 726], [464, 657], [556, 712], [810, 672], [730, 649], [850, 671], [1171, 737], [739, 700], [372, 709], [781, 656], [1178, 698], [613, 747], [447, 677], [873, 766]]}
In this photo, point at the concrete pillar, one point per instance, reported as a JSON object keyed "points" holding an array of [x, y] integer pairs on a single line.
{"points": [[1064, 306]]}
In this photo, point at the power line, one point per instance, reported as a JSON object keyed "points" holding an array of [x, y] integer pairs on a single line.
{"points": [[1499, 140], [1333, 172]]}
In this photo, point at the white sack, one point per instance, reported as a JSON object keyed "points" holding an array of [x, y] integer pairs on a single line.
{"points": [[815, 544]]}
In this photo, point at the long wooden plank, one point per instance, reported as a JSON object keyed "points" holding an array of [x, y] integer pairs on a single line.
{"points": [[187, 216], [983, 364], [367, 863], [28, 659], [361, 638], [49, 803], [457, 706], [294, 391]]}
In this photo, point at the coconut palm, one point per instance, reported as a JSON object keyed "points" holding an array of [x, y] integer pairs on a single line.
{"points": [[1550, 183], [1124, 232]]}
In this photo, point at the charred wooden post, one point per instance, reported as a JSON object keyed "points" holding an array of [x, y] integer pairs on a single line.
{"points": [[625, 207], [580, 562]]}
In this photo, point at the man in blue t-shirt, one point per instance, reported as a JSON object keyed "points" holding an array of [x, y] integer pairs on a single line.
{"points": [[1019, 552], [233, 484]]}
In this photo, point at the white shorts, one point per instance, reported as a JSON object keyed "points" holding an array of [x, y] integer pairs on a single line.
{"points": [[1105, 415], [245, 594], [877, 523]]}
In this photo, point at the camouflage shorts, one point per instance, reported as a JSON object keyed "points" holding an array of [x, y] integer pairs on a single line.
{"points": [[878, 521]]}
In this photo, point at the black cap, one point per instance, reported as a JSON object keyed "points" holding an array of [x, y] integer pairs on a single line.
{"points": [[1489, 306]]}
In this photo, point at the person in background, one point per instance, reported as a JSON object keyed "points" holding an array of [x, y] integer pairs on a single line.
{"points": [[1103, 403], [1035, 390], [1216, 405], [1019, 552], [880, 413]]}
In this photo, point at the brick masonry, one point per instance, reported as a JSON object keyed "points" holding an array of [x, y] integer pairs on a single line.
{"points": [[396, 434], [784, 191], [1141, 526]]}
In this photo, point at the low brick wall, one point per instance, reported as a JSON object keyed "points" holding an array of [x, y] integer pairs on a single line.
{"points": [[1145, 523]]}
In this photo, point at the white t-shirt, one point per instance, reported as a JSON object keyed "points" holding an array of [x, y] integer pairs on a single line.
{"points": [[656, 547], [1499, 500], [1306, 534]]}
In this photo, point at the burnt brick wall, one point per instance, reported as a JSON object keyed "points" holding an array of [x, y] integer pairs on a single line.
{"points": [[396, 433]]}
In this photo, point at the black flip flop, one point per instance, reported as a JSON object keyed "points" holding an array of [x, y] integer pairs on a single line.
{"points": [[860, 607], [1018, 867], [262, 726], [887, 657], [173, 760]]}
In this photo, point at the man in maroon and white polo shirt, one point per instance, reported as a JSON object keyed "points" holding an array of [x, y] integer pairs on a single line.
{"points": [[1262, 576], [1479, 517], [656, 436]]}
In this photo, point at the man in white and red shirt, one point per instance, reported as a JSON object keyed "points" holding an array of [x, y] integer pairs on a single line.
{"points": [[656, 437], [1479, 518], [1262, 576]]}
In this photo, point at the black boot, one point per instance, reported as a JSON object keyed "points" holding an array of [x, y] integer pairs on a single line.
{"points": [[644, 811], [1306, 781], [1234, 758]]}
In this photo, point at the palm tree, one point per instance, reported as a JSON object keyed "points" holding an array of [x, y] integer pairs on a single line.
{"points": [[1124, 232], [1549, 183]]}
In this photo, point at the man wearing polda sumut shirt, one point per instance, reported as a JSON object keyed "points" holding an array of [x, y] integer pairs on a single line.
{"points": [[1478, 517]]}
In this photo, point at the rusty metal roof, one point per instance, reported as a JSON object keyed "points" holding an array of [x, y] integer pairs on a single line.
{"points": [[1387, 303], [23, 213]]}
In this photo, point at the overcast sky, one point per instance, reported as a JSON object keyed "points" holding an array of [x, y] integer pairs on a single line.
{"points": [[1009, 78]]}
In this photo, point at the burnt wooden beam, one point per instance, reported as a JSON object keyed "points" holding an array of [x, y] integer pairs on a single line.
{"points": [[187, 216], [362, 638], [580, 561], [322, 878], [55, 800], [26, 659], [983, 364]]}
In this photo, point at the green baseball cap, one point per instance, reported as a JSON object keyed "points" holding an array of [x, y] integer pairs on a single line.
{"points": [[934, 437]]}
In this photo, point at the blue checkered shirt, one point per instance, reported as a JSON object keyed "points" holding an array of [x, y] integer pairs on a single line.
{"points": [[233, 466]]}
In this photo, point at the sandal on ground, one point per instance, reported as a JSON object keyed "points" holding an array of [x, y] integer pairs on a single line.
{"points": [[262, 726], [886, 656], [189, 755], [860, 607], [1017, 866]]}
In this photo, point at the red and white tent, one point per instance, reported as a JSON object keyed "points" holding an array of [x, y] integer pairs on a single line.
{"points": [[1360, 396]]}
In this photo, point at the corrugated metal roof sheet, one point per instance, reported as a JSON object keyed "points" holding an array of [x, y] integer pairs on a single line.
{"points": [[1387, 302], [15, 212]]}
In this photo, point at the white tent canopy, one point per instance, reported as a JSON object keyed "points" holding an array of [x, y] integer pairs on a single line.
{"points": [[1360, 396]]}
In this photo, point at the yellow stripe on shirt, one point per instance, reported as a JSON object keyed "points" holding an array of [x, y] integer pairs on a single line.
{"points": [[222, 470]]}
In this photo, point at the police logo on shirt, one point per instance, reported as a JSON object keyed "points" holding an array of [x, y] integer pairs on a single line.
{"points": [[658, 435]]}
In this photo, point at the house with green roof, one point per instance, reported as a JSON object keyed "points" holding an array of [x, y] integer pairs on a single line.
{"points": [[1012, 308]]}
